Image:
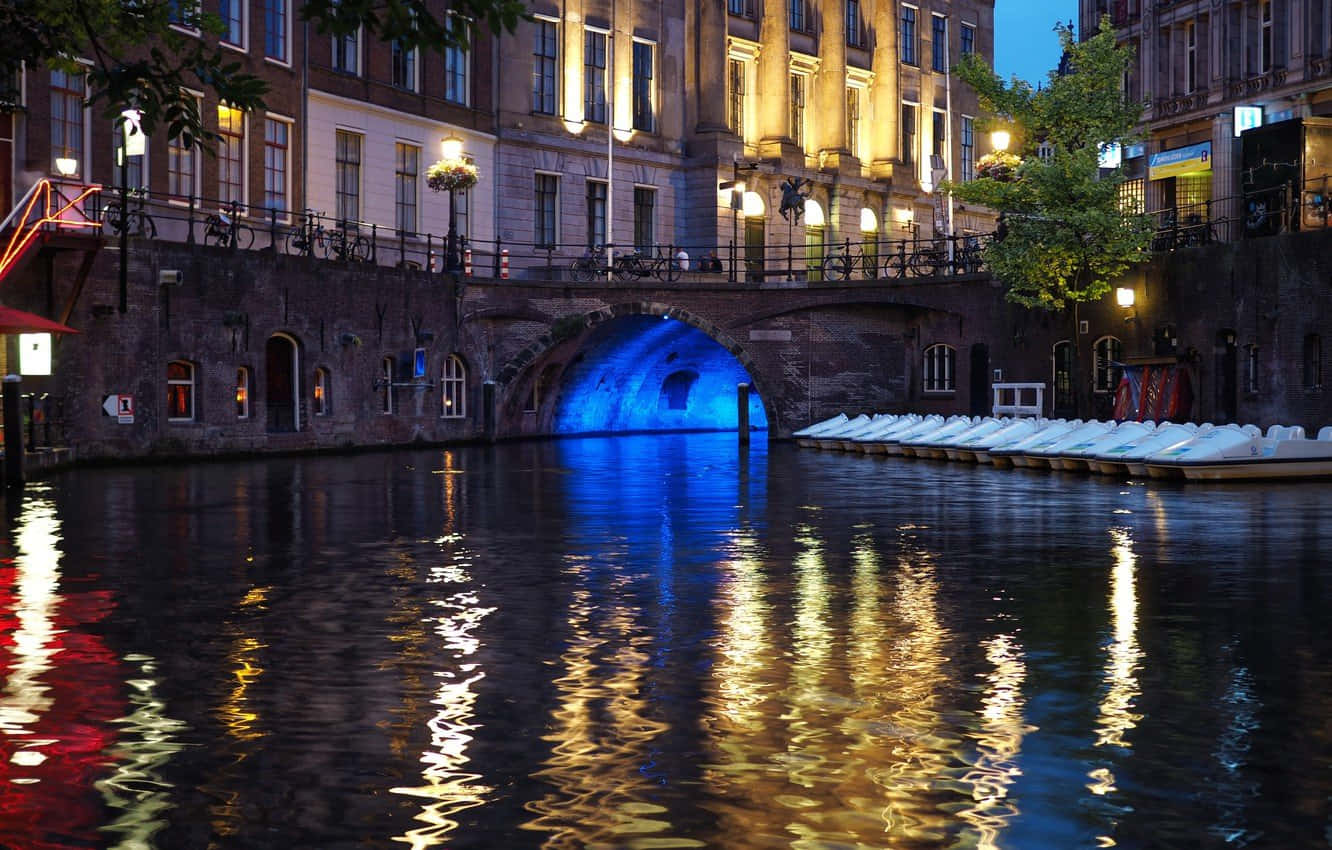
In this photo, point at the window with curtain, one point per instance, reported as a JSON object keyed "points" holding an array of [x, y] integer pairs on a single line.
{"points": [[644, 72], [347, 176], [594, 76], [545, 52], [406, 170], [277, 137], [67, 119]]}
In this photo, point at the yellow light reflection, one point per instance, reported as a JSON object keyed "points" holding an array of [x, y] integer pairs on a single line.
{"points": [[1122, 655], [998, 742], [599, 731], [137, 785]]}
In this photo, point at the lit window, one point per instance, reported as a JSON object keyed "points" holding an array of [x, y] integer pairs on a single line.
{"points": [[454, 388], [242, 393], [67, 120], [797, 128], [182, 168], [939, 362], [230, 154], [853, 120], [1108, 352], [736, 103], [321, 392], [180, 391]]}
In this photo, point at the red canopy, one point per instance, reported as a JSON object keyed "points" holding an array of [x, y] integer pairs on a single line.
{"points": [[18, 322]]}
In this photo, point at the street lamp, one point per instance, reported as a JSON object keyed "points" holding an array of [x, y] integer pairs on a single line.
{"points": [[999, 140], [451, 149], [131, 144], [737, 189]]}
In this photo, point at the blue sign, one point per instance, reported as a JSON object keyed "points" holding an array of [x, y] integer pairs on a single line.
{"points": [[419, 364], [1186, 160]]}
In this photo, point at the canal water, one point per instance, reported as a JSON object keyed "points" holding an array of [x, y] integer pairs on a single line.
{"points": [[652, 642]]}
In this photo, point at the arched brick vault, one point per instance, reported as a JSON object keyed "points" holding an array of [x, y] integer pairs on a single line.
{"points": [[574, 325]]}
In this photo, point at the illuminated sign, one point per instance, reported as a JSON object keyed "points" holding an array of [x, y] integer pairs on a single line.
{"points": [[1247, 117], [1186, 160], [35, 354]]}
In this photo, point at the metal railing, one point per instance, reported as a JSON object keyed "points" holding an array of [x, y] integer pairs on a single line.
{"points": [[1249, 215], [314, 236]]}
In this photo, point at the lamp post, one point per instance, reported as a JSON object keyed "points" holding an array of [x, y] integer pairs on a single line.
{"points": [[999, 140], [451, 149], [131, 144], [737, 189]]}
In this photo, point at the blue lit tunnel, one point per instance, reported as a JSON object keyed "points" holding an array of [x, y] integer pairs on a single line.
{"points": [[651, 373]]}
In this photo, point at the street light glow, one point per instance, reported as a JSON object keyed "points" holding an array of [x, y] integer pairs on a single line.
{"points": [[1000, 139]]}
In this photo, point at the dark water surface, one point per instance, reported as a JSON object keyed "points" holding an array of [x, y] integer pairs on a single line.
{"points": [[642, 642]]}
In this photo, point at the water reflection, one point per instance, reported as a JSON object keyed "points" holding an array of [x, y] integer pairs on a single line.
{"points": [[137, 784]]}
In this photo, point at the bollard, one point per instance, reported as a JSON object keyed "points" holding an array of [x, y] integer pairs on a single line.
{"points": [[432, 261], [742, 412], [504, 264], [467, 262], [13, 420]]}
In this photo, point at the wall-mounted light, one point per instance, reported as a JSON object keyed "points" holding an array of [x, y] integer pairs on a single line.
{"points": [[753, 204], [1124, 296], [451, 146]]}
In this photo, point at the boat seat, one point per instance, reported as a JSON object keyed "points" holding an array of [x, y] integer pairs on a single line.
{"points": [[1252, 430], [1325, 433]]}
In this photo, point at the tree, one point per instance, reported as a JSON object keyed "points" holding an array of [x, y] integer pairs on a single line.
{"points": [[139, 60], [1068, 236]]}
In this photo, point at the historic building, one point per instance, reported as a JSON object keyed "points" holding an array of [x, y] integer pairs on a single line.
{"points": [[1209, 71], [642, 121]]}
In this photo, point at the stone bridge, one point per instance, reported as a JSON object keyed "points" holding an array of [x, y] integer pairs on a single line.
{"points": [[327, 353]]}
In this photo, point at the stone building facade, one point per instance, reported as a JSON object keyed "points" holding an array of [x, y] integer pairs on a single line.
{"points": [[1209, 71]]}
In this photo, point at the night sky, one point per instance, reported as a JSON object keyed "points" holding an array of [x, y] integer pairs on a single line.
{"points": [[1024, 39]]}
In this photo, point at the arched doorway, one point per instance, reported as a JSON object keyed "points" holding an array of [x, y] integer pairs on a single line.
{"points": [[282, 383], [755, 211]]}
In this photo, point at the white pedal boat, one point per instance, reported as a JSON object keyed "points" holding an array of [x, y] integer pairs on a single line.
{"points": [[1038, 456], [845, 440], [868, 442], [1223, 455], [891, 443], [1075, 458], [1006, 455], [1126, 458], [938, 449], [972, 448], [830, 422], [921, 446], [831, 437]]}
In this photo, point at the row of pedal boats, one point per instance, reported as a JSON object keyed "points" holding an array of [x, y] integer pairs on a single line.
{"points": [[1143, 449]]}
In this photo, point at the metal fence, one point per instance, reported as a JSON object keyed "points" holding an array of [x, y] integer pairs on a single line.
{"points": [[1261, 212], [316, 236]]}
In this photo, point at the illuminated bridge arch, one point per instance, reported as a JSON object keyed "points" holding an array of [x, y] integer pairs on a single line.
{"points": [[634, 367]]}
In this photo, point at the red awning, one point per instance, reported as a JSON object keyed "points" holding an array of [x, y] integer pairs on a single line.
{"points": [[18, 322]]}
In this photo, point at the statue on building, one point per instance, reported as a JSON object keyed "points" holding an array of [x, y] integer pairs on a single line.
{"points": [[793, 200]]}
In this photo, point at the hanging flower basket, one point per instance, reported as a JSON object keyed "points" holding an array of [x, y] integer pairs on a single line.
{"points": [[1000, 165], [451, 176]]}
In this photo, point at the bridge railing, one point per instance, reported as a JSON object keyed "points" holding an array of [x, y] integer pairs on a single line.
{"points": [[1286, 206], [315, 236]]}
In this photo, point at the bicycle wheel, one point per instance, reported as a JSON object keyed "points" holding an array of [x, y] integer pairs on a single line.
{"points": [[583, 269], [147, 227], [244, 237], [297, 242], [359, 250], [624, 270], [836, 267], [669, 270]]}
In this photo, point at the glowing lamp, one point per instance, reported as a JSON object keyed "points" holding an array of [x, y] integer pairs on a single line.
{"points": [[451, 147], [135, 140], [1124, 296], [753, 204], [66, 165], [813, 213], [999, 140], [869, 222]]}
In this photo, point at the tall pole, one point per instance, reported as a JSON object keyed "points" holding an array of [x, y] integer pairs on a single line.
{"points": [[610, 147], [124, 225], [948, 116], [451, 262]]}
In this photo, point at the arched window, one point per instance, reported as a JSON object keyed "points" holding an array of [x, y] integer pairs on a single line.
{"points": [[386, 380], [321, 392], [180, 391], [675, 390], [242, 393], [1062, 377], [1108, 352], [939, 374], [453, 388]]}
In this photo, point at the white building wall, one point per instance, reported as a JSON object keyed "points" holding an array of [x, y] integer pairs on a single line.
{"points": [[382, 129]]}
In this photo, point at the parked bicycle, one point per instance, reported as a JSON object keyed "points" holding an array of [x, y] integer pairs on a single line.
{"points": [[308, 240], [929, 259], [346, 245], [845, 262], [627, 266], [137, 221], [967, 255], [225, 230]]}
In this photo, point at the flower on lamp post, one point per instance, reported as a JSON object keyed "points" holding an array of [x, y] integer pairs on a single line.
{"points": [[455, 172], [999, 165]]}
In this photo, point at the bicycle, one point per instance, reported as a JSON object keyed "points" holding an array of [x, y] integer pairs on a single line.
{"points": [[585, 268], [225, 231], [842, 262], [347, 246], [137, 222], [308, 240], [931, 261], [967, 256]]}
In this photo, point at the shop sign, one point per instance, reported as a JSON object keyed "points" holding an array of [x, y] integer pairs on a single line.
{"points": [[1186, 160]]}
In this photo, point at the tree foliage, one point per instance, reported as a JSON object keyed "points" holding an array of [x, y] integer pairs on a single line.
{"points": [[1066, 237], [143, 54]]}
